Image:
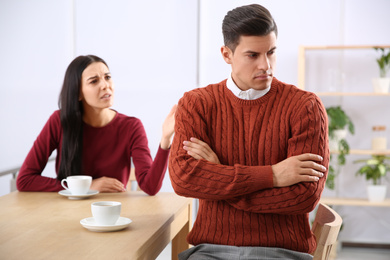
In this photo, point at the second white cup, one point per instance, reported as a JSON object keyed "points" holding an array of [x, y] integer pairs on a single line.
{"points": [[77, 184], [106, 212]]}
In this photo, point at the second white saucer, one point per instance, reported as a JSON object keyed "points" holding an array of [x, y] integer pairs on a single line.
{"points": [[71, 196], [90, 224]]}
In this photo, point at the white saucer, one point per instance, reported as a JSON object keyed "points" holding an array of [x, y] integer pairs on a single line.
{"points": [[89, 223], [76, 196]]}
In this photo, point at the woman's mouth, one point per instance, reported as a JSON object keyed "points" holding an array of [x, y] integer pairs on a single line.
{"points": [[106, 96]]}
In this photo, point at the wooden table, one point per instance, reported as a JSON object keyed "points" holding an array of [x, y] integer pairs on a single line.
{"points": [[46, 225]]}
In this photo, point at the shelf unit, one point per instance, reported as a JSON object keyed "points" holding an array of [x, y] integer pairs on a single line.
{"points": [[301, 84], [335, 201], [365, 152], [302, 62]]}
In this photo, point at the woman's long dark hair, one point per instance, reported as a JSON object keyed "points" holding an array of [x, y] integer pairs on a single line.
{"points": [[71, 114]]}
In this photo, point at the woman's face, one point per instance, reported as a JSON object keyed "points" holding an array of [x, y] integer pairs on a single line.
{"points": [[97, 88]]}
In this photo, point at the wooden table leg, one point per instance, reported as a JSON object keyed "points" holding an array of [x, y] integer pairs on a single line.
{"points": [[179, 242]]}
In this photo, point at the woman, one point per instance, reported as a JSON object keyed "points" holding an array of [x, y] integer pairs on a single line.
{"points": [[92, 139]]}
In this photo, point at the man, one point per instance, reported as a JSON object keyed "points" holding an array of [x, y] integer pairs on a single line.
{"points": [[252, 149]]}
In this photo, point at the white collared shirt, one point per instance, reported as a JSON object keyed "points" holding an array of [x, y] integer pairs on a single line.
{"points": [[249, 94]]}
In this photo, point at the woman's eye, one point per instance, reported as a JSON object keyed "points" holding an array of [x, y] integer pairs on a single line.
{"points": [[108, 77], [93, 81]]}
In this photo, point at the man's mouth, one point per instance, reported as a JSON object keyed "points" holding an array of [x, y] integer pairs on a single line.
{"points": [[264, 74]]}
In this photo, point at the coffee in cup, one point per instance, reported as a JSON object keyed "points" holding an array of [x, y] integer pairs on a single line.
{"points": [[106, 213], [77, 184]]}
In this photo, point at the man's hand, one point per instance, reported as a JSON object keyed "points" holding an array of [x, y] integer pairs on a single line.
{"points": [[107, 184], [300, 168], [200, 150]]}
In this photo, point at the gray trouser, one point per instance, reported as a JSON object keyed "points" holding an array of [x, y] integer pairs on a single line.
{"points": [[223, 252]]}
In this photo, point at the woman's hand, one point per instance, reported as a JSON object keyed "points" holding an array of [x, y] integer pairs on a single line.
{"points": [[200, 150], [168, 129], [107, 184]]}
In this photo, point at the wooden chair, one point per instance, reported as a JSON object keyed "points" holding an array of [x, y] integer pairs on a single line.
{"points": [[326, 227]]}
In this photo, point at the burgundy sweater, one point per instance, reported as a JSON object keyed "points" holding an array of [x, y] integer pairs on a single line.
{"points": [[107, 151], [238, 204]]}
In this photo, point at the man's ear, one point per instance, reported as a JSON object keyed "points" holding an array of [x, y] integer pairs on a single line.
{"points": [[227, 54]]}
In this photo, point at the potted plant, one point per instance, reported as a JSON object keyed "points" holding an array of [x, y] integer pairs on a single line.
{"points": [[338, 125], [381, 84], [375, 168]]}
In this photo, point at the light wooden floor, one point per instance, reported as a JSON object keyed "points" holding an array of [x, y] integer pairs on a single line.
{"points": [[353, 253]]}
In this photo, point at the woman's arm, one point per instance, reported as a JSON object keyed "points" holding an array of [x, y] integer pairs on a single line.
{"points": [[29, 177], [150, 173]]}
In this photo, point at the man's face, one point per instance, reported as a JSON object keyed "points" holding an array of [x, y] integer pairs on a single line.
{"points": [[253, 61]]}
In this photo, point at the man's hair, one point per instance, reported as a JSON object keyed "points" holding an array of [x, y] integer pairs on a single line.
{"points": [[248, 20]]}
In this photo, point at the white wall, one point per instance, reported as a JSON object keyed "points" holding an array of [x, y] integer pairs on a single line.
{"points": [[151, 48]]}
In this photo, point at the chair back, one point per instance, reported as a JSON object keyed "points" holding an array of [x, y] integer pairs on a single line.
{"points": [[326, 227], [132, 183]]}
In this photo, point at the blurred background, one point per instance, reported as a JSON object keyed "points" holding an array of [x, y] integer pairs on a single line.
{"points": [[157, 50]]}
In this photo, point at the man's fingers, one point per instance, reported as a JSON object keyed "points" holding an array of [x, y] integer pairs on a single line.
{"points": [[200, 150], [310, 157], [308, 178], [196, 140], [313, 165], [195, 155], [195, 143], [311, 172], [195, 148]]}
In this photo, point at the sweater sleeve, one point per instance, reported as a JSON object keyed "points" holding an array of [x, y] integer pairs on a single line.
{"points": [[202, 179], [30, 175], [149, 173], [309, 135]]}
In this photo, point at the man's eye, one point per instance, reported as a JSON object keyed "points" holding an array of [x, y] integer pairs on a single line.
{"points": [[253, 55], [108, 77]]}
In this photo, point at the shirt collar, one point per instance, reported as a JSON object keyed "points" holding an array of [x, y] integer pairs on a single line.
{"points": [[249, 94]]}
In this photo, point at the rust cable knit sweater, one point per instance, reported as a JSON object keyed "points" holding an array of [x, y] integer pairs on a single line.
{"points": [[238, 204]]}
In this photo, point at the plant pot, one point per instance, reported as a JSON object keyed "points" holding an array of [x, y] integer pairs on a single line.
{"points": [[381, 85], [376, 193], [334, 141]]}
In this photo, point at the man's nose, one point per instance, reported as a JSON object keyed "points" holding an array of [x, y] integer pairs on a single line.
{"points": [[264, 63]]}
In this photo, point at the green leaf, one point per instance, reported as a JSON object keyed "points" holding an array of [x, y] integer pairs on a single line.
{"points": [[382, 169], [372, 162], [330, 181]]}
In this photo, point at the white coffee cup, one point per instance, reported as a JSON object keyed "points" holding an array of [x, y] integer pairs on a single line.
{"points": [[77, 184], [106, 212]]}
